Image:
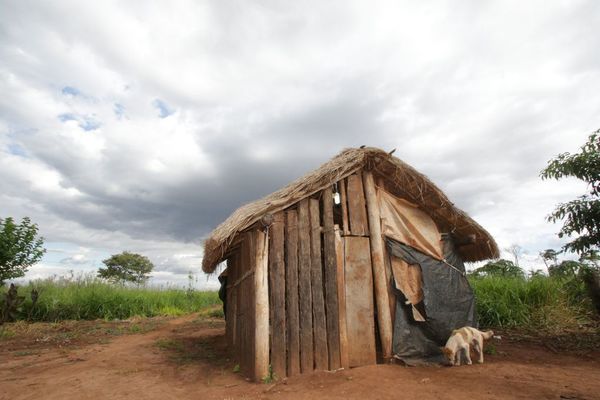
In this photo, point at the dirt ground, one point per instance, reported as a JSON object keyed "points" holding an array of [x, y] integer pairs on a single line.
{"points": [[186, 358]]}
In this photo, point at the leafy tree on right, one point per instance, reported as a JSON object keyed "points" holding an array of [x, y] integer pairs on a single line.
{"points": [[582, 215]]}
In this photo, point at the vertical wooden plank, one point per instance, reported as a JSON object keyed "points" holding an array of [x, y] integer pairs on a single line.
{"points": [[316, 277], [344, 203], [304, 288], [291, 290], [251, 307], [357, 212], [341, 291], [277, 295], [384, 318], [330, 274], [240, 320], [261, 304], [245, 347], [230, 317], [360, 317]]}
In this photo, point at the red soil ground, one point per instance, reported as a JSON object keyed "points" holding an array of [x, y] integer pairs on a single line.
{"points": [[186, 358]]}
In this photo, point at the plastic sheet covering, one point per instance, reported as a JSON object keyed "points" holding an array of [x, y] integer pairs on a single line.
{"points": [[448, 304], [407, 223]]}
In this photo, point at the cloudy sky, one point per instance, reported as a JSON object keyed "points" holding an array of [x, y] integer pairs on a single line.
{"points": [[141, 125]]}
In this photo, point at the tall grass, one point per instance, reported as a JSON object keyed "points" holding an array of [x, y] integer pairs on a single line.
{"points": [[87, 297], [540, 302]]}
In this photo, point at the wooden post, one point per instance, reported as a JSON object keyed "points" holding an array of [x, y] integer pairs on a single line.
{"points": [[330, 269], [318, 298], [261, 310], [379, 275], [341, 291], [304, 290], [344, 203], [277, 297], [291, 290]]}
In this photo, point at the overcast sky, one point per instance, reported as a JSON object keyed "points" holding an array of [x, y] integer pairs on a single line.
{"points": [[141, 125]]}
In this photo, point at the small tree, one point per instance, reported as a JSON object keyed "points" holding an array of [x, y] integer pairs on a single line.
{"points": [[566, 269], [126, 267], [500, 267], [582, 215], [549, 257], [20, 248]]}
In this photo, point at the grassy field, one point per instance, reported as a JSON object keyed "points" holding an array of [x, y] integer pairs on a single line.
{"points": [[90, 298], [540, 302]]}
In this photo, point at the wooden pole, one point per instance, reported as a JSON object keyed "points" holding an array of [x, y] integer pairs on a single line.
{"points": [[291, 290], [316, 282], [341, 291], [330, 270], [379, 275], [344, 203], [261, 310], [277, 298], [304, 289]]}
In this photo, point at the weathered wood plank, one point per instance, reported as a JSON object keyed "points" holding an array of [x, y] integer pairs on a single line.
{"points": [[304, 288], [344, 204], [245, 292], [261, 304], [277, 295], [291, 290], [357, 211], [240, 308], [384, 318], [341, 291], [318, 298], [330, 274], [230, 313], [360, 317]]}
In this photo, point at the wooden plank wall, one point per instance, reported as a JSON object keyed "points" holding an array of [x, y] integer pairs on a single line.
{"points": [[303, 288], [240, 306], [308, 324]]}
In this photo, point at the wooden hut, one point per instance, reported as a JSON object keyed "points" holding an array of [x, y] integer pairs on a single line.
{"points": [[308, 274]]}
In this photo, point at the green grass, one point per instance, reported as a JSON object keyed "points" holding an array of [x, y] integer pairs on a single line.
{"points": [[87, 298], [540, 302]]}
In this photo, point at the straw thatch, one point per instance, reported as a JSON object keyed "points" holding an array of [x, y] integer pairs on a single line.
{"points": [[401, 179]]}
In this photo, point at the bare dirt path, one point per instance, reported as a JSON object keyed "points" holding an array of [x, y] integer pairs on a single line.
{"points": [[185, 358]]}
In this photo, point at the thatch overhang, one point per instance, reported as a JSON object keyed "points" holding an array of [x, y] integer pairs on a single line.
{"points": [[401, 179]]}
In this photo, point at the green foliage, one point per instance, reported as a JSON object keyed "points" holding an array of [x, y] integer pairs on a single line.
{"points": [[582, 215], [10, 305], [504, 268], [541, 302], [20, 248], [126, 267], [565, 269], [550, 257], [89, 298]]}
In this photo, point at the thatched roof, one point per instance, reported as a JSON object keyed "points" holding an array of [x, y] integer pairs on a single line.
{"points": [[401, 178]]}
